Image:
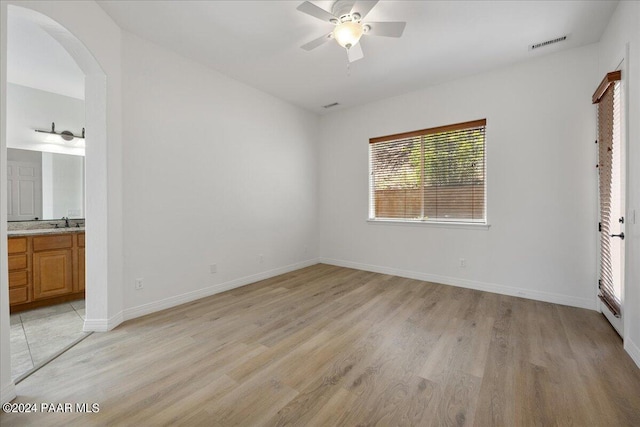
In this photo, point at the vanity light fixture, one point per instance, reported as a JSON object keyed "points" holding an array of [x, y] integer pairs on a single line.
{"points": [[65, 134]]}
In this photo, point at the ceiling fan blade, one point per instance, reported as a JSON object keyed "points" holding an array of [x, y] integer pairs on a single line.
{"points": [[386, 29], [355, 52], [315, 11], [363, 8], [342, 7], [317, 42]]}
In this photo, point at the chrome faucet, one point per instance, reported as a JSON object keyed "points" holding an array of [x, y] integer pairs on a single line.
{"points": [[66, 221]]}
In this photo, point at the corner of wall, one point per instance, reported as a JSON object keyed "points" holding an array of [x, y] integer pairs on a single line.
{"points": [[633, 350], [103, 325]]}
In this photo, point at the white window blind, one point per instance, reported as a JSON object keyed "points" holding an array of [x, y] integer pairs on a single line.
{"points": [[607, 96], [431, 175]]}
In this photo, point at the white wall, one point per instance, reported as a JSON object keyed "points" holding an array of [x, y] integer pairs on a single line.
{"points": [[37, 60], [621, 40], [29, 109], [541, 183], [216, 172]]}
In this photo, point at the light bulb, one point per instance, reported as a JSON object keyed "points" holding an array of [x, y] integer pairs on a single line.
{"points": [[348, 33]]}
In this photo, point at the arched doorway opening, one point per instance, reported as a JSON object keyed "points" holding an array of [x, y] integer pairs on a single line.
{"points": [[96, 203]]}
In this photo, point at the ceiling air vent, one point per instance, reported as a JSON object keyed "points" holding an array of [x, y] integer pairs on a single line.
{"points": [[330, 105], [547, 43]]}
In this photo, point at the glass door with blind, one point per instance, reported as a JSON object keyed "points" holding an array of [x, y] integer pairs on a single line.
{"points": [[611, 183]]}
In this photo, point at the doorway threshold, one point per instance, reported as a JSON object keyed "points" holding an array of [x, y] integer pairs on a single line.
{"points": [[50, 359]]}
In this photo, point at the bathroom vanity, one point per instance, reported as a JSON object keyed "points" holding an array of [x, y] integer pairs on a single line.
{"points": [[46, 267]]}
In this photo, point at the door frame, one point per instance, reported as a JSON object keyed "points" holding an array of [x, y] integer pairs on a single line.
{"points": [[618, 323], [102, 173]]}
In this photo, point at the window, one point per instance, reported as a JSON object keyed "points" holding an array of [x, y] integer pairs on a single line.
{"points": [[431, 175]]}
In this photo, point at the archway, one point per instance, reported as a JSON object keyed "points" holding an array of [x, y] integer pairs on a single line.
{"points": [[96, 180]]}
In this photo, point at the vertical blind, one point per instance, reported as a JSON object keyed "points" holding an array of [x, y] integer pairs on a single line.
{"points": [[608, 100], [435, 174]]}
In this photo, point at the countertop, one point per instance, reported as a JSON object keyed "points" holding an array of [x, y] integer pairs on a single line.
{"points": [[13, 233]]}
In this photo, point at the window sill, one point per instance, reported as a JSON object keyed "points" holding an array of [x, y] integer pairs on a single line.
{"points": [[436, 224]]}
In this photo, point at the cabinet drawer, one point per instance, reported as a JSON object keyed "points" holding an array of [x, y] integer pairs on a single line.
{"points": [[81, 240], [17, 245], [59, 241], [18, 278], [17, 262], [18, 295]]}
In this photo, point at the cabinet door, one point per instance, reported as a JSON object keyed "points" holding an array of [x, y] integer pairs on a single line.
{"points": [[52, 273]]}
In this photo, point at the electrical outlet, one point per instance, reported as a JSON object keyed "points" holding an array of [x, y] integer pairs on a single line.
{"points": [[213, 268], [463, 263], [139, 284], [261, 258]]}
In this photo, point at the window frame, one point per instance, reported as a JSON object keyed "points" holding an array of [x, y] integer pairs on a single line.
{"points": [[439, 222]]}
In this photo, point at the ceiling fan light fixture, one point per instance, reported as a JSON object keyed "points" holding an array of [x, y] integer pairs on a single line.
{"points": [[348, 33], [347, 16]]}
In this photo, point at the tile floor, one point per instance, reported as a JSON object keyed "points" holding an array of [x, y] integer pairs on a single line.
{"points": [[38, 334]]}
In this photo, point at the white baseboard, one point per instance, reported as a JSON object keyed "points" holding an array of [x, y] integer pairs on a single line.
{"points": [[152, 307], [8, 392], [102, 325], [470, 284], [633, 350]]}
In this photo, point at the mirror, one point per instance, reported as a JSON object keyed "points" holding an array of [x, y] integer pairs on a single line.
{"points": [[44, 185]]}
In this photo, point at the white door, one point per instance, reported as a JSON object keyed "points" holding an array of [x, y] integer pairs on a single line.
{"points": [[24, 193]]}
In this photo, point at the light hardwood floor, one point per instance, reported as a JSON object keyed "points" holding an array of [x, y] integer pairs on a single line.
{"points": [[327, 346]]}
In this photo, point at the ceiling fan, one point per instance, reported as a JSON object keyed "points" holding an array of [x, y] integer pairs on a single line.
{"points": [[348, 18]]}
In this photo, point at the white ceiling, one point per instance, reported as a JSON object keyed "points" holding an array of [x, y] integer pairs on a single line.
{"points": [[258, 43], [37, 60]]}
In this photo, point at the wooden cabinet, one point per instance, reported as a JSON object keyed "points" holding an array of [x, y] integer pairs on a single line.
{"points": [[19, 289], [81, 269], [45, 269]]}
